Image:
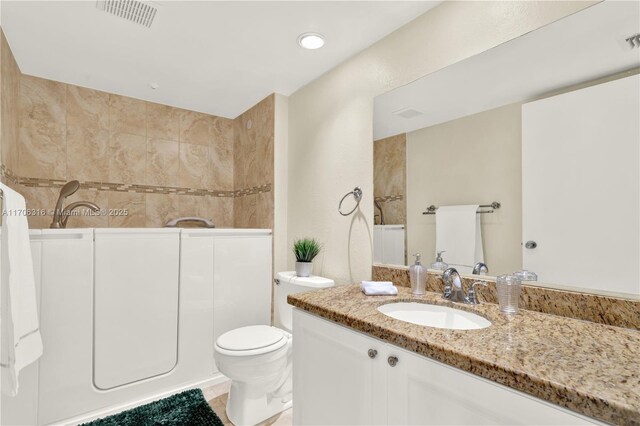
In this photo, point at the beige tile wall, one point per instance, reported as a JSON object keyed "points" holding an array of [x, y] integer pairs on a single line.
{"points": [[68, 132], [9, 84], [253, 165], [157, 162], [389, 178]]}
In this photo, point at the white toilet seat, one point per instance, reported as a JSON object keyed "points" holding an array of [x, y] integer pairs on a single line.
{"points": [[251, 340]]}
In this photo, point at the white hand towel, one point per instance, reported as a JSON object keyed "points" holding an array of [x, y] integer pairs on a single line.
{"points": [[21, 341], [376, 284], [458, 232], [376, 288]]}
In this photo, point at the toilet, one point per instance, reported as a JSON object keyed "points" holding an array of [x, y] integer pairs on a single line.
{"points": [[258, 358]]}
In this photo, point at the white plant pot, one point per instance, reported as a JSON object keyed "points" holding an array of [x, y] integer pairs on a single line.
{"points": [[303, 269]]}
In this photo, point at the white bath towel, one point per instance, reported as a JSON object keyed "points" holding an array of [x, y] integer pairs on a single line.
{"points": [[377, 288], [458, 233], [21, 341]]}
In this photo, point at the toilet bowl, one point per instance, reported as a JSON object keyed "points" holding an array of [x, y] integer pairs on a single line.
{"points": [[257, 358]]}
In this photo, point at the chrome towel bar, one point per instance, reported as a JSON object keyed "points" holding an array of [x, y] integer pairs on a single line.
{"points": [[493, 206]]}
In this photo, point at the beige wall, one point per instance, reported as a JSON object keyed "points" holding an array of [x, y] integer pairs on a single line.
{"points": [[281, 182], [390, 179], [330, 119], [471, 160]]}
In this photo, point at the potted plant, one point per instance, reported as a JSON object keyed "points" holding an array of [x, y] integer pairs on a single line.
{"points": [[305, 250]]}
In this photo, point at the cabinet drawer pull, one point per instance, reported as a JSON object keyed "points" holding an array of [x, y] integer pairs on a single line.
{"points": [[392, 360], [372, 353]]}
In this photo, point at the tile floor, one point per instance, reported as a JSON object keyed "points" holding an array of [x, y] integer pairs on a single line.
{"points": [[217, 397]]}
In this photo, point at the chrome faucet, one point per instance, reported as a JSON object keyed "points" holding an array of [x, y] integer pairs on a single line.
{"points": [[473, 293], [453, 290], [61, 215], [480, 268]]}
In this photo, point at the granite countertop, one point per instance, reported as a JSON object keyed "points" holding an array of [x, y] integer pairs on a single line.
{"points": [[589, 368]]}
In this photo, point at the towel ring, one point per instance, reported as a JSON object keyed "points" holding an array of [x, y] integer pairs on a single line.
{"points": [[357, 195]]}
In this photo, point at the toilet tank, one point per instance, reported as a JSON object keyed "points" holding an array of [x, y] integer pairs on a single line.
{"points": [[289, 283]]}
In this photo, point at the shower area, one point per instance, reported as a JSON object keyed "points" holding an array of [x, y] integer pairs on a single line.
{"points": [[130, 299]]}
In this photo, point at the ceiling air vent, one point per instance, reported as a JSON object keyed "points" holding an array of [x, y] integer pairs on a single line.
{"points": [[135, 11], [634, 41], [408, 112]]}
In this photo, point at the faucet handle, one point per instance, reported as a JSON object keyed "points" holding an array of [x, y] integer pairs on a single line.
{"points": [[473, 294]]}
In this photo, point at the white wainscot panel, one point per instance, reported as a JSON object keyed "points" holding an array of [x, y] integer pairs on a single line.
{"points": [[22, 408], [65, 323], [242, 282]]}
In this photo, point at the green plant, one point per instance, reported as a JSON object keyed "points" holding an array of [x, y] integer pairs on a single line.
{"points": [[306, 249]]}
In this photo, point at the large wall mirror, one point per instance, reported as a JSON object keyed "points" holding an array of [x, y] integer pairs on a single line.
{"points": [[539, 138]]}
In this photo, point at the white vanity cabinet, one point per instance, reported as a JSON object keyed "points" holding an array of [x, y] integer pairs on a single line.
{"points": [[337, 380]]}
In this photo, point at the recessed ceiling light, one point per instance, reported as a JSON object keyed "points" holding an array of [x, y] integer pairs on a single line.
{"points": [[154, 85], [311, 40]]}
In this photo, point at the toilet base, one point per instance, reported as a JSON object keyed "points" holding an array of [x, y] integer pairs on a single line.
{"points": [[246, 409]]}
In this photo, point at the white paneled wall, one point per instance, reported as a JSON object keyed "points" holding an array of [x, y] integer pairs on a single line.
{"points": [[388, 244], [128, 315], [22, 409]]}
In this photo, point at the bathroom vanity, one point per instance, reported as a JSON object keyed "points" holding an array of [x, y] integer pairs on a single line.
{"points": [[368, 368]]}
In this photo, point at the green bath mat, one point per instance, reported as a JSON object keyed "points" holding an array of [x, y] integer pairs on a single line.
{"points": [[186, 408]]}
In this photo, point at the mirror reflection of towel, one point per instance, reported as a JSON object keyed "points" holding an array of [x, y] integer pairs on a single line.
{"points": [[459, 234]]}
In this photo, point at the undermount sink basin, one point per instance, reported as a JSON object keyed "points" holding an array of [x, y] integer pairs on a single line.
{"points": [[434, 316]]}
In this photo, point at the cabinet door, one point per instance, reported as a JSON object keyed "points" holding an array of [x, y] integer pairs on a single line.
{"points": [[335, 381], [425, 392]]}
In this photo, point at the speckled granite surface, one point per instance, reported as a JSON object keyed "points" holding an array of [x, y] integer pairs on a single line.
{"points": [[589, 307], [590, 368]]}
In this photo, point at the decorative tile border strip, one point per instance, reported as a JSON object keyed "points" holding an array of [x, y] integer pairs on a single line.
{"points": [[123, 187], [7, 175], [254, 190], [387, 198]]}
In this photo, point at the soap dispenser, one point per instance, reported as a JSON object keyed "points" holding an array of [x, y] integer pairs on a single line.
{"points": [[418, 276], [439, 263]]}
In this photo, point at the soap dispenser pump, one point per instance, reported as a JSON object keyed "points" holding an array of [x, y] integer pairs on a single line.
{"points": [[418, 277], [439, 264]]}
